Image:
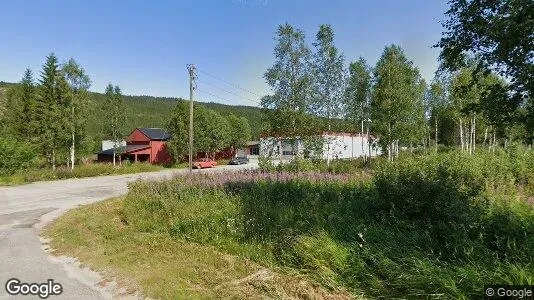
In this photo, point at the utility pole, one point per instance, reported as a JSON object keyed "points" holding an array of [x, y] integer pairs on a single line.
{"points": [[191, 69]]}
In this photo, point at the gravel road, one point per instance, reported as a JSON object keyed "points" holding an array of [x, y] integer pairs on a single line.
{"points": [[25, 209]]}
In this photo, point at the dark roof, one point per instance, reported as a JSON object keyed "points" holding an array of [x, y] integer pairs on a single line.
{"points": [[123, 149], [155, 133]]}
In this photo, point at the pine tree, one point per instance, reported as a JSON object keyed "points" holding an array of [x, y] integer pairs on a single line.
{"points": [[21, 109]]}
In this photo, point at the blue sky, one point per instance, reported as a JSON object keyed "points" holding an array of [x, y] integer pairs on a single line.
{"points": [[144, 46]]}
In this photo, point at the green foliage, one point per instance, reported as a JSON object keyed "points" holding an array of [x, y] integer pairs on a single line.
{"points": [[15, 156], [52, 108], [113, 109], [239, 131], [477, 27], [328, 79], [286, 110], [358, 93], [79, 83], [423, 226], [178, 128], [397, 110], [21, 109], [212, 132]]}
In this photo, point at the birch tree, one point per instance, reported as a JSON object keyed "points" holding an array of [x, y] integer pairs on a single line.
{"points": [[239, 132], [328, 81], [79, 83], [114, 110], [357, 95], [397, 100], [437, 103], [289, 78]]}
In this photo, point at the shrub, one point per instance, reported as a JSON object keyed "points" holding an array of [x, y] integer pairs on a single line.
{"points": [[15, 156]]}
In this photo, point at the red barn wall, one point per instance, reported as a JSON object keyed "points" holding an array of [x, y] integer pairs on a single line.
{"points": [[137, 136], [159, 153]]}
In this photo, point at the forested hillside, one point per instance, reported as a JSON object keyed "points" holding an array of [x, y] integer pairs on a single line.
{"points": [[149, 111]]}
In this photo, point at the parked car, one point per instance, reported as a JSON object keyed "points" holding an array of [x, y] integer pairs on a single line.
{"points": [[238, 161], [204, 163]]}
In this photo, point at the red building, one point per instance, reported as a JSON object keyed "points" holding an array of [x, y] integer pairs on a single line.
{"points": [[143, 145]]}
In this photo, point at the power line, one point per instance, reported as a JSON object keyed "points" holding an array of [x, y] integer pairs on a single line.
{"points": [[215, 96], [231, 93], [229, 83]]}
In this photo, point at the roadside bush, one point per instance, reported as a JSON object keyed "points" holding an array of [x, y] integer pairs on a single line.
{"points": [[460, 200], [15, 156]]}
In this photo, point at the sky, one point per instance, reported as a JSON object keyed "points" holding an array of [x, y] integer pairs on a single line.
{"points": [[144, 46]]}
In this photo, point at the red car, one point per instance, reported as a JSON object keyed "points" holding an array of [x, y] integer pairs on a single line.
{"points": [[204, 163]]}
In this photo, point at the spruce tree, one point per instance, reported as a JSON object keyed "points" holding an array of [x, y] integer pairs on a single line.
{"points": [[20, 107], [52, 102]]}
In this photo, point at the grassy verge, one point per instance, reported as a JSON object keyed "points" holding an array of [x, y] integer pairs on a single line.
{"points": [[435, 226], [90, 170], [162, 266]]}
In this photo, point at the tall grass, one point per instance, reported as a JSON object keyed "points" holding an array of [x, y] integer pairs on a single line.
{"points": [[440, 225]]}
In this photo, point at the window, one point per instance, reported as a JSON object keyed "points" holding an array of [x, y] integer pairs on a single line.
{"points": [[255, 150]]}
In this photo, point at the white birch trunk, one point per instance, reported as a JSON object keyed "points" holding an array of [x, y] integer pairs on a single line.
{"points": [[54, 159], [363, 149], [72, 153], [436, 133], [474, 133], [461, 135], [73, 141], [470, 136]]}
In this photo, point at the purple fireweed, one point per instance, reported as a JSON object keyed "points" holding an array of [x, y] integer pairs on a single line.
{"points": [[218, 179]]}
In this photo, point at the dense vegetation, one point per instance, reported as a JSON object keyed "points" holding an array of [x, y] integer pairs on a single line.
{"points": [[439, 224], [63, 123], [480, 94]]}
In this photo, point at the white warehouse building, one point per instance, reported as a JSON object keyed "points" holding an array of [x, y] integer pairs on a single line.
{"points": [[336, 145]]}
